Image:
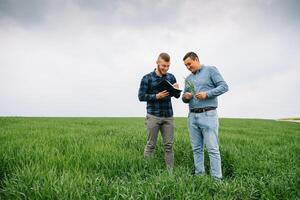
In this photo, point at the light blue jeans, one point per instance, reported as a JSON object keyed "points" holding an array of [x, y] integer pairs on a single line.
{"points": [[203, 129]]}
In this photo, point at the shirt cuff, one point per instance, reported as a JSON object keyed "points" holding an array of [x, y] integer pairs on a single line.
{"points": [[153, 97], [208, 93]]}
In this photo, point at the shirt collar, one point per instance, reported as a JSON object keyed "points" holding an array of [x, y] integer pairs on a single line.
{"points": [[154, 74], [198, 71]]}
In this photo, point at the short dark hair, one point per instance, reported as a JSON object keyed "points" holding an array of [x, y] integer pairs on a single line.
{"points": [[164, 56], [191, 55]]}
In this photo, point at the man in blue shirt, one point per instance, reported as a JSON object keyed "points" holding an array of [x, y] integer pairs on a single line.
{"points": [[159, 108], [202, 87]]}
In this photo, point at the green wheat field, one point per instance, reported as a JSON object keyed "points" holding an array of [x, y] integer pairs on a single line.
{"points": [[102, 158]]}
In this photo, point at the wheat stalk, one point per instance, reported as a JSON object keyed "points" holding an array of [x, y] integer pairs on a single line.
{"points": [[190, 86]]}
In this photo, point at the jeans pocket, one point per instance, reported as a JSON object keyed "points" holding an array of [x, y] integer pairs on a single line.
{"points": [[146, 120], [211, 113]]}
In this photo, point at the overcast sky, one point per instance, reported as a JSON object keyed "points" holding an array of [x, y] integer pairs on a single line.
{"points": [[86, 58]]}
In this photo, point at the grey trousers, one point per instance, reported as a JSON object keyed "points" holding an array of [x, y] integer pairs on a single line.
{"points": [[166, 126]]}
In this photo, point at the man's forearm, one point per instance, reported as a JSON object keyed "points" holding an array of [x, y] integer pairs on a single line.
{"points": [[147, 97], [221, 85], [221, 89]]}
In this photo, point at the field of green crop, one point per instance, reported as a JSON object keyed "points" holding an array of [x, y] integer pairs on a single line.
{"points": [[102, 158]]}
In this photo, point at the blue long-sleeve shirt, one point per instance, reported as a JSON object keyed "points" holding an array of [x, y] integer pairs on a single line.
{"points": [[206, 79], [148, 90]]}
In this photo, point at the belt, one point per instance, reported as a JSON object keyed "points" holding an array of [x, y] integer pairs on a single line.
{"points": [[200, 110]]}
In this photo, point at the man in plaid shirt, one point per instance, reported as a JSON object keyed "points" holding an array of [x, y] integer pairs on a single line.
{"points": [[159, 108]]}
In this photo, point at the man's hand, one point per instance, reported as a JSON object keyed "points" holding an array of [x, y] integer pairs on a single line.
{"points": [[201, 95], [175, 85], [188, 95], [162, 94]]}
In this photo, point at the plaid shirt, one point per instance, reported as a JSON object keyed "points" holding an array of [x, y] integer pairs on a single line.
{"points": [[148, 91]]}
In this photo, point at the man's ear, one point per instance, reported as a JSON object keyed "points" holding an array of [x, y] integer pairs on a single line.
{"points": [[157, 62]]}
